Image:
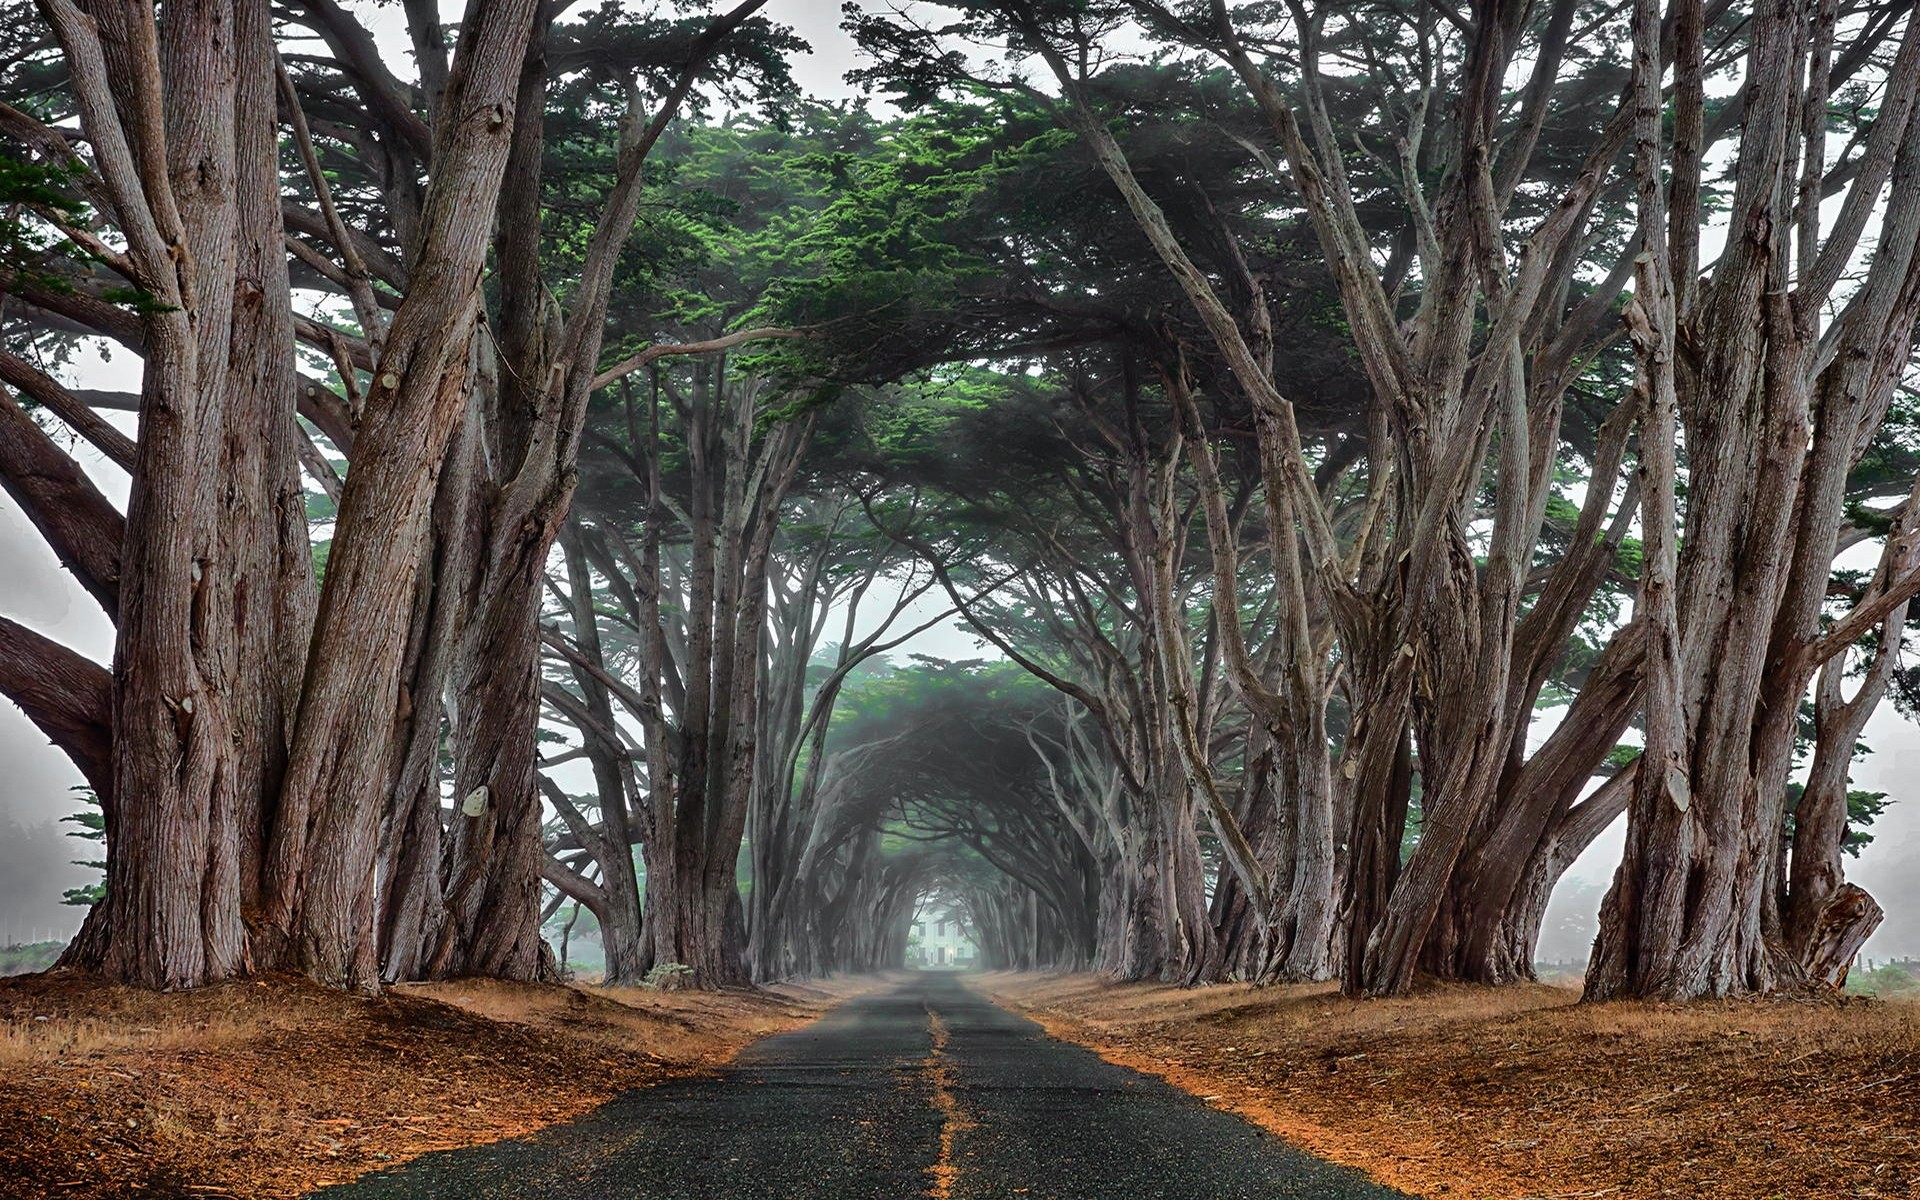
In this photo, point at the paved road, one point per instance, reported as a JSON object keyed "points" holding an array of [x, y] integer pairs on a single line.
{"points": [[923, 1090]]}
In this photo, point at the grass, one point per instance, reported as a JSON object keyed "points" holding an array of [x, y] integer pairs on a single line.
{"points": [[29, 956], [1888, 981], [1521, 1093], [270, 1088], [33, 1043]]}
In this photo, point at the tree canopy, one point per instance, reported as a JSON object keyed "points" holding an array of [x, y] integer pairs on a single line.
{"points": [[1381, 447]]}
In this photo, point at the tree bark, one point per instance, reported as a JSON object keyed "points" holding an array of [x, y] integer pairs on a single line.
{"points": [[326, 832]]}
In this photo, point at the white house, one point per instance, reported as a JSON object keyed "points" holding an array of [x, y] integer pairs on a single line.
{"points": [[940, 940]]}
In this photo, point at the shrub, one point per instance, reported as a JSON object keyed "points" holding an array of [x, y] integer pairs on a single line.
{"points": [[670, 977], [30, 957]]}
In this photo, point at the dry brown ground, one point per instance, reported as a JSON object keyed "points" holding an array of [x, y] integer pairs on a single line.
{"points": [[273, 1087], [1515, 1093]]}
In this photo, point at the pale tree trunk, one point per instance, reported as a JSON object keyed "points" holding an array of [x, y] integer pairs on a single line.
{"points": [[1474, 935], [1441, 401], [616, 899], [325, 838], [264, 523], [1148, 944], [494, 854], [1510, 953], [412, 902], [1695, 907], [1377, 765], [700, 661], [494, 860], [1820, 817], [1639, 931], [1508, 870], [153, 103], [789, 818], [1188, 791], [270, 743], [1297, 924]]}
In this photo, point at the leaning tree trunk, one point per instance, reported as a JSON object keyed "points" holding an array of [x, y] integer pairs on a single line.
{"points": [[1377, 765], [1842, 926], [412, 901], [1483, 933], [494, 853], [1146, 929], [1816, 878], [616, 901], [322, 856]]}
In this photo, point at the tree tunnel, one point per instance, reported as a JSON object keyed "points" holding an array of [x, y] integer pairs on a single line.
{"points": [[974, 783]]}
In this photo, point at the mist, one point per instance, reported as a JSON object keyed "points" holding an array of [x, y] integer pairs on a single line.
{"points": [[34, 872]]}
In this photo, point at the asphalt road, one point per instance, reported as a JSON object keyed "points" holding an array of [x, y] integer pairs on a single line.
{"points": [[923, 1090]]}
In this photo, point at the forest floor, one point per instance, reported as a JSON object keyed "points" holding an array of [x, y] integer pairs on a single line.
{"points": [[1523, 1094], [273, 1087]]}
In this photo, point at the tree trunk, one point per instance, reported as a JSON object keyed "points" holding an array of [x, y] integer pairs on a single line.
{"points": [[172, 915], [494, 853], [325, 838], [1695, 907], [1846, 921], [413, 903]]}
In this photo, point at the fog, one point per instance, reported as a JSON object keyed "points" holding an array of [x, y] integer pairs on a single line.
{"points": [[35, 778]]}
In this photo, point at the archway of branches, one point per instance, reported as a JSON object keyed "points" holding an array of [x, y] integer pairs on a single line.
{"points": [[1303, 464], [973, 787]]}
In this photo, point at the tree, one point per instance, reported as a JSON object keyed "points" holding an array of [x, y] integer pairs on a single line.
{"points": [[261, 724], [1737, 613], [92, 828], [1328, 410], [1464, 254]]}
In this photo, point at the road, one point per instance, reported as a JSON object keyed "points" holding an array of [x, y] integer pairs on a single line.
{"points": [[925, 1089]]}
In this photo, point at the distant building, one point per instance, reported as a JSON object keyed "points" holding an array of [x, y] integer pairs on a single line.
{"points": [[940, 941]]}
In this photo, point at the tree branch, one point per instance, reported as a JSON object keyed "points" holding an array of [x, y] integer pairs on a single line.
{"points": [[652, 354], [65, 694], [81, 526], [47, 392]]}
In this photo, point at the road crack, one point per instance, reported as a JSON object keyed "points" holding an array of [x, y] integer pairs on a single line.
{"points": [[937, 1068]]}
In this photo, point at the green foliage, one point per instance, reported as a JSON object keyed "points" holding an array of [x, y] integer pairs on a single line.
{"points": [[1629, 559], [142, 302], [92, 822], [1887, 981], [1863, 809], [1622, 756], [669, 977], [1416, 818], [29, 957], [36, 201], [944, 747], [32, 250]]}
